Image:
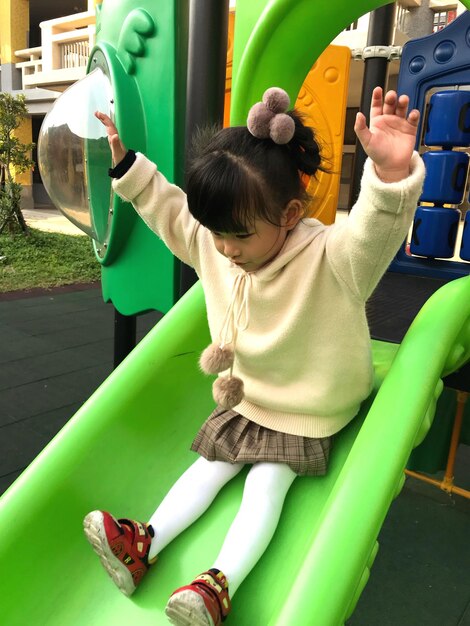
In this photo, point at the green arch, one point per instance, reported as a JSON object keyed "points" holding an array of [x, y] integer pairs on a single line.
{"points": [[267, 50]]}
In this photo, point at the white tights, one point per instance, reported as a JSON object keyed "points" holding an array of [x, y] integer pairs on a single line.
{"points": [[253, 527]]}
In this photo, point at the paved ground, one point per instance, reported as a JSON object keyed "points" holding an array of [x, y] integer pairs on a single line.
{"points": [[57, 348], [48, 218]]}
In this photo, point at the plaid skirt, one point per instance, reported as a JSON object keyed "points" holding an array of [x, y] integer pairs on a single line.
{"points": [[228, 436]]}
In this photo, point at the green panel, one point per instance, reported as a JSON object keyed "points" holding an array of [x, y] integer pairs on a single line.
{"points": [[129, 443], [145, 50]]}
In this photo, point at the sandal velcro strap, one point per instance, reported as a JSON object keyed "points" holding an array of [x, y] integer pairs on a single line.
{"points": [[140, 544], [216, 583]]}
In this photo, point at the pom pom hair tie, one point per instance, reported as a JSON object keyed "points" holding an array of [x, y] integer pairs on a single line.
{"points": [[269, 119]]}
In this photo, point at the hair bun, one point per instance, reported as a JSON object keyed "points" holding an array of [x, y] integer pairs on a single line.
{"points": [[269, 119]]}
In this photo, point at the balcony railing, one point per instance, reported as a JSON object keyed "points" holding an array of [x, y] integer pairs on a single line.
{"points": [[74, 54]]}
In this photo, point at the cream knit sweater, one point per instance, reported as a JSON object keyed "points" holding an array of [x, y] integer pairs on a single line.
{"points": [[305, 354]]}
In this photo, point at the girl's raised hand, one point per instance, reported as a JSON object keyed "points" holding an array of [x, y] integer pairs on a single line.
{"points": [[390, 139], [118, 150]]}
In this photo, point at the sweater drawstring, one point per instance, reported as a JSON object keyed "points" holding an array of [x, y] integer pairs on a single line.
{"points": [[218, 357], [237, 316]]}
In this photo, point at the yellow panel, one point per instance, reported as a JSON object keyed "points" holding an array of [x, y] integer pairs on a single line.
{"points": [[323, 98], [14, 26], [24, 133]]}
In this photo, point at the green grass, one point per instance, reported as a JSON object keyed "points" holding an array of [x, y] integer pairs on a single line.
{"points": [[45, 260]]}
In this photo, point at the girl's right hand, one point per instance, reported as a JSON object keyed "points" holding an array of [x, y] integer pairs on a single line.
{"points": [[118, 149]]}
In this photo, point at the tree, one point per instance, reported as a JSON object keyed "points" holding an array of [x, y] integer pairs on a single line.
{"points": [[14, 156]]}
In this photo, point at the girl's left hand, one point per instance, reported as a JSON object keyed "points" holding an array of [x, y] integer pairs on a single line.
{"points": [[390, 139], [118, 149]]}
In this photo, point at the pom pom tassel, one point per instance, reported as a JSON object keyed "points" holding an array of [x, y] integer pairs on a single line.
{"points": [[228, 391], [215, 359]]}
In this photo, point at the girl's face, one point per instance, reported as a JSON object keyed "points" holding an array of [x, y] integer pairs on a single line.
{"points": [[254, 249]]}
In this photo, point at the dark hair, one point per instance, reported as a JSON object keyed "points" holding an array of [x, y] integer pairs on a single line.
{"points": [[236, 178]]}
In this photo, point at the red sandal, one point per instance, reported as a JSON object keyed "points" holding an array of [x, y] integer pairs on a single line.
{"points": [[123, 547], [205, 602]]}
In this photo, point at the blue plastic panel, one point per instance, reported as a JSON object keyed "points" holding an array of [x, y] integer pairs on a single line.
{"points": [[441, 60]]}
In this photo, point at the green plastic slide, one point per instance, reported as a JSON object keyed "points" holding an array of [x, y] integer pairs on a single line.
{"points": [[129, 443]]}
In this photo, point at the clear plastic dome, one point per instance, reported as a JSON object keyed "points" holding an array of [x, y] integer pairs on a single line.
{"points": [[74, 155]]}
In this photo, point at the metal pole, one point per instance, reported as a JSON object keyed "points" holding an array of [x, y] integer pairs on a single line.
{"points": [[207, 59], [125, 327], [380, 32]]}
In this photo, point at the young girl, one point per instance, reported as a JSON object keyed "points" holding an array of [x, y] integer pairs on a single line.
{"points": [[285, 300]]}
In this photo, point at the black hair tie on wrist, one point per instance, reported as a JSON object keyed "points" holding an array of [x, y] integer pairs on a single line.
{"points": [[123, 166]]}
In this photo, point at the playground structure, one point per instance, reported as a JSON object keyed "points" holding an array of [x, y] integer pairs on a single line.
{"points": [[332, 546]]}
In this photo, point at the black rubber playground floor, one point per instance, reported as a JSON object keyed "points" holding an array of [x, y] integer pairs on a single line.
{"points": [[57, 348]]}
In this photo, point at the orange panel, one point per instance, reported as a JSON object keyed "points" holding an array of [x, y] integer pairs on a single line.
{"points": [[323, 98], [228, 75]]}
